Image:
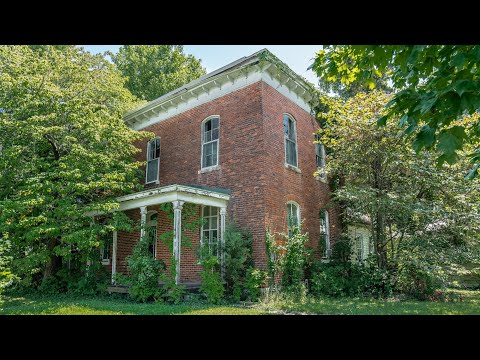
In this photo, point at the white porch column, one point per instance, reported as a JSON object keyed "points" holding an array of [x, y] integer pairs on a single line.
{"points": [[223, 214], [143, 220], [114, 256], [177, 237]]}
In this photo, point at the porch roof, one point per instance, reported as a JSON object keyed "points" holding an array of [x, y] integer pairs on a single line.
{"points": [[192, 194]]}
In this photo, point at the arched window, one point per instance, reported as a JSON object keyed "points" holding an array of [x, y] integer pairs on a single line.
{"points": [[320, 156], [151, 233], [293, 216], [153, 161], [210, 139], [290, 135], [325, 231]]}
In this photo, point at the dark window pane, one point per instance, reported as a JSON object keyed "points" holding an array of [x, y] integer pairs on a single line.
{"points": [[214, 235], [214, 123], [157, 150], [215, 134], [214, 210], [208, 136], [152, 170], [208, 125], [285, 124], [214, 153], [206, 211]]}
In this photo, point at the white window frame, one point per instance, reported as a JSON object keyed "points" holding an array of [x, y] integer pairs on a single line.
{"points": [[328, 245], [152, 223], [285, 140], [292, 202], [202, 129], [104, 260], [323, 155], [202, 240], [157, 181], [359, 238]]}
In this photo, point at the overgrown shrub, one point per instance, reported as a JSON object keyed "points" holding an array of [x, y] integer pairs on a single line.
{"points": [[211, 286], [171, 292], [6, 276], [144, 273], [417, 280], [254, 281], [293, 261], [340, 277], [238, 258]]}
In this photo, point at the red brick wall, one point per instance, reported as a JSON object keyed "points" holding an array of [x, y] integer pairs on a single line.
{"points": [[284, 184], [241, 146], [251, 160]]}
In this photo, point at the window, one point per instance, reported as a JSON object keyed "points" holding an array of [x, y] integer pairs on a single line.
{"points": [[293, 216], [325, 231], [210, 229], [290, 134], [153, 160], [359, 247], [151, 233], [210, 136], [105, 238], [319, 153], [105, 248]]}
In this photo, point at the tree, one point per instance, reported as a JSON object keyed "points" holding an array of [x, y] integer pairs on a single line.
{"points": [[417, 211], [154, 70], [65, 151], [436, 87]]}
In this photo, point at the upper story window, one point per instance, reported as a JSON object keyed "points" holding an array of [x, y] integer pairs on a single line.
{"points": [[153, 161], [325, 231], [290, 135], [293, 216], [210, 136], [320, 155]]}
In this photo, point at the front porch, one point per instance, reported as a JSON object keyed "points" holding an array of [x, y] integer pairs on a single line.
{"points": [[147, 202]]}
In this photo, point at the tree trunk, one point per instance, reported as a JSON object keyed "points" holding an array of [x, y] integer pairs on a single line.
{"points": [[380, 214], [53, 264]]}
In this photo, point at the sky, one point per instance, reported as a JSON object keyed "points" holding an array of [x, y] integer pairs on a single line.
{"points": [[297, 57]]}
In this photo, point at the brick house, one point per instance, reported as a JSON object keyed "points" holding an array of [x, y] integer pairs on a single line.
{"points": [[238, 144]]}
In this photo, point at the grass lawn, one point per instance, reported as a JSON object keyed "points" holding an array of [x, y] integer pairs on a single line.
{"points": [[63, 305]]}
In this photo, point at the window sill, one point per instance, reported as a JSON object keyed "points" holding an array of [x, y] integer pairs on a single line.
{"points": [[294, 168], [105, 261], [321, 179], [209, 169], [156, 182]]}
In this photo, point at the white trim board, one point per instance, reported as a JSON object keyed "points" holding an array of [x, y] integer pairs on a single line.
{"points": [[187, 101]]}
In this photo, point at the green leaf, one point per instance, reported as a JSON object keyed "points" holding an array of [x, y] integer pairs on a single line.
{"points": [[451, 140], [403, 121], [424, 138], [382, 121], [473, 173], [458, 60], [465, 86], [370, 84]]}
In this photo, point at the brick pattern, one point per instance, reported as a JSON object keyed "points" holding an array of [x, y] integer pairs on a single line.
{"points": [[285, 184], [251, 163]]}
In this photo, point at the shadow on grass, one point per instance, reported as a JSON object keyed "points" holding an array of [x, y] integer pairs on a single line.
{"points": [[106, 306]]}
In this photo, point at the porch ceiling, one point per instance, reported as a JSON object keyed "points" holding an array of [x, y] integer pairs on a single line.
{"points": [[191, 194]]}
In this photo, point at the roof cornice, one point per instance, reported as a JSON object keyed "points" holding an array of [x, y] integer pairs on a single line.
{"points": [[261, 65]]}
